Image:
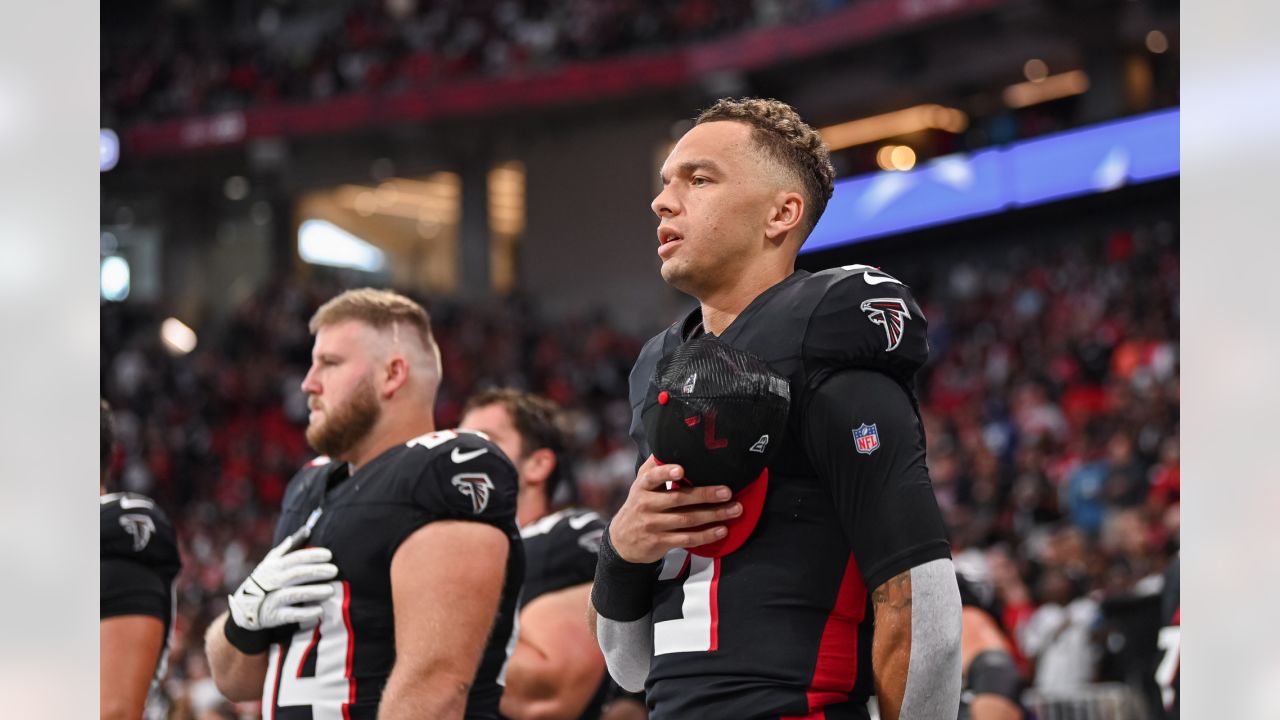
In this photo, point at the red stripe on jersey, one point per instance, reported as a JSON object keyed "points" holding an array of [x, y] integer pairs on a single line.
{"points": [[837, 668], [715, 604], [351, 649], [275, 690], [315, 638]]}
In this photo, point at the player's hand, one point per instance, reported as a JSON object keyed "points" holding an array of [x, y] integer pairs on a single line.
{"points": [[654, 520], [286, 587]]}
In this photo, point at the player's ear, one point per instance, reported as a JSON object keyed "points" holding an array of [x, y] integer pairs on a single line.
{"points": [[538, 465], [785, 214], [395, 375]]}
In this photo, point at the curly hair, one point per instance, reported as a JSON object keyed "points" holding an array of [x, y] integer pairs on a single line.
{"points": [[788, 141]]}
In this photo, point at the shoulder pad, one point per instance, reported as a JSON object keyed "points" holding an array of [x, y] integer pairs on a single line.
{"points": [[586, 528], [135, 528], [466, 477], [866, 318]]}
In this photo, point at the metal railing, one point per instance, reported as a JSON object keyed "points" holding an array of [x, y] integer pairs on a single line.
{"points": [[1103, 701]]}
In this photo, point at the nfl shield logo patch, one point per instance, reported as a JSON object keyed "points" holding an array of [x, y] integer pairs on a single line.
{"points": [[866, 439]]}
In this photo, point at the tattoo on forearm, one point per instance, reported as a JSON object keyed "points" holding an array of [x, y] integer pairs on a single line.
{"points": [[894, 593]]}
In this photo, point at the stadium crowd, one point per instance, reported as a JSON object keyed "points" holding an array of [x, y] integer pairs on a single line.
{"points": [[193, 58], [1050, 403]]}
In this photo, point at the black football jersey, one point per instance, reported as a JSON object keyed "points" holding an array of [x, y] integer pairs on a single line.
{"points": [[337, 670], [139, 562], [1169, 670], [560, 551], [782, 627]]}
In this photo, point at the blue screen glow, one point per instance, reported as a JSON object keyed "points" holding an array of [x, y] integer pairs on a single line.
{"points": [[1067, 164]]}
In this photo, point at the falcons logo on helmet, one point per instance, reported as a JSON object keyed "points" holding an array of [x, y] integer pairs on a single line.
{"points": [[890, 314], [476, 486]]}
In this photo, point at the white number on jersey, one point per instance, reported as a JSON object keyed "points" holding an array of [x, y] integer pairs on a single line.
{"points": [[697, 630], [1170, 641], [331, 688]]}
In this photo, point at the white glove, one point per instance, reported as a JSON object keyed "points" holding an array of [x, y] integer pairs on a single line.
{"points": [[286, 587]]}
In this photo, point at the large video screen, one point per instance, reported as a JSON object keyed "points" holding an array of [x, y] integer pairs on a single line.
{"points": [[1068, 164]]}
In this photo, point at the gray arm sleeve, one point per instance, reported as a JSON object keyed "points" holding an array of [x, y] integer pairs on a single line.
{"points": [[933, 675], [627, 648]]}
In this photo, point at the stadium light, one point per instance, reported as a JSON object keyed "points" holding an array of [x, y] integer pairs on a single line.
{"points": [[437, 198], [113, 278], [178, 338], [1035, 70], [1053, 87], [896, 157], [1157, 42], [894, 124], [320, 242]]}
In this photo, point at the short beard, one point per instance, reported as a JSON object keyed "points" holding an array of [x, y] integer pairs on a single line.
{"points": [[348, 425]]}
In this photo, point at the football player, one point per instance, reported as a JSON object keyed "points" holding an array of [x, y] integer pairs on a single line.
{"points": [[992, 683], [392, 589], [139, 562], [556, 670], [831, 577]]}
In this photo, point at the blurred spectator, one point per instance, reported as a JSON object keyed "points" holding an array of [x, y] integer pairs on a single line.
{"points": [[1057, 636], [166, 60]]}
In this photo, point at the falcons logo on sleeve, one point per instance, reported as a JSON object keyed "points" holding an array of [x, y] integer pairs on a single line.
{"points": [[140, 528], [890, 314], [476, 486]]}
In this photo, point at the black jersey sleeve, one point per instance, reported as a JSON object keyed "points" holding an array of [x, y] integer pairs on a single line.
{"points": [[139, 557], [579, 543], [472, 480], [131, 588], [865, 441], [867, 319]]}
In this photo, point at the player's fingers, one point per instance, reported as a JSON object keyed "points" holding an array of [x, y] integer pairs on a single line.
{"points": [[700, 537], [685, 496], [649, 464], [657, 476], [308, 556], [305, 616], [700, 516], [303, 594], [306, 574], [289, 543]]}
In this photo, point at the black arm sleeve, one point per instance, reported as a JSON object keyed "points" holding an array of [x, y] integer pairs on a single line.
{"points": [[993, 672], [131, 588], [881, 487]]}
